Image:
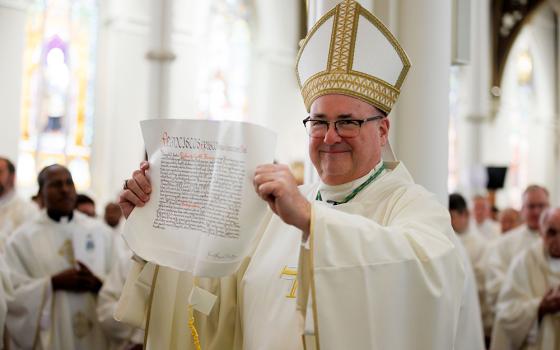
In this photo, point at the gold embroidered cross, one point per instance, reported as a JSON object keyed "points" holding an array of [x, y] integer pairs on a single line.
{"points": [[67, 252], [292, 276]]}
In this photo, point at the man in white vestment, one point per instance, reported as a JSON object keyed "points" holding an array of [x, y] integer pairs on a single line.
{"points": [[6, 293], [14, 210], [485, 226], [503, 250], [528, 309], [509, 219], [370, 254], [475, 247], [57, 262], [120, 335], [114, 219]]}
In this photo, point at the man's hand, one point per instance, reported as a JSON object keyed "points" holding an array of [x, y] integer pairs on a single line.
{"points": [[76, 280], [550, 303], [137, 192], [276, 185]]}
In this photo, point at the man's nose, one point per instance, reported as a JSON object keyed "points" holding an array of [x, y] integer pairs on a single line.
{"points": [[331, 137], [67, 188]]}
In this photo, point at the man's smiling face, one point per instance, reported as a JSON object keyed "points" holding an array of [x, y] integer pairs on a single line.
{"points": [[340, 160]]}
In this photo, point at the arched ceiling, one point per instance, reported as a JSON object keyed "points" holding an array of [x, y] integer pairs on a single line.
{"points": [[508, 18]]}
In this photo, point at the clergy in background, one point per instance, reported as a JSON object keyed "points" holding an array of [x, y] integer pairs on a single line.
{"points": [[528, 309], [14, 210], [502, 252], [486, 227], [475, 247], [362, 259], [509, 219], [113, 217], [58, 262], [119, 335]]}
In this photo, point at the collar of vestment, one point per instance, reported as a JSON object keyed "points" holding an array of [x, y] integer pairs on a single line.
{"points": [[553, 264], [340, 194], [60, 218]]}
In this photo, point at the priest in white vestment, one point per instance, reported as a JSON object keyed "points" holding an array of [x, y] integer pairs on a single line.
{"points": [[528, 308], [57, 263], [509, 219], [475, 246], [6, 294], [371, 254], [485, 226], [114, 219], [14, 210], [503, 250], [119, 335]]}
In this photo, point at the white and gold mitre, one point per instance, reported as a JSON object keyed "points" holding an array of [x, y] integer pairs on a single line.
{"points": [[350, 52]]}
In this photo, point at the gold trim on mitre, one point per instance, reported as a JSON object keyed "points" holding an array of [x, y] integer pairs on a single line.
{"points": [[339, 77]]}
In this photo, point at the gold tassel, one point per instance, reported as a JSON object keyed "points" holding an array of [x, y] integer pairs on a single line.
{"points": [[192, 326]]}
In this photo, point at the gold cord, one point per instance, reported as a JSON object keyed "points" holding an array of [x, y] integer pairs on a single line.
{"points": [[192, 326]]}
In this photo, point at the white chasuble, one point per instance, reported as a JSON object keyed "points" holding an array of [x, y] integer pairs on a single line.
{"points": [[530, 276], [385, 272], [500, 255], [14, 211], [119, 335], [488, 230], [39, 318], [398, 281], [476, 248], [255, 308]]}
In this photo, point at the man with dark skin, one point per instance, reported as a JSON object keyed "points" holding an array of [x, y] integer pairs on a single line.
{"points": [[61, 256], [56, 188]]}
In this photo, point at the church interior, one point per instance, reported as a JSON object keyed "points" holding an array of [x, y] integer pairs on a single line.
{"points": [[478, 115]]}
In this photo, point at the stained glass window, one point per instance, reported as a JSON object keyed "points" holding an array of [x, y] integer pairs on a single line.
{"points": [[224, 75], [57, 89]]}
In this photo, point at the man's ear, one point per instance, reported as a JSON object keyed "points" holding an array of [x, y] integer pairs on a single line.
{"points": [[384, 125]]}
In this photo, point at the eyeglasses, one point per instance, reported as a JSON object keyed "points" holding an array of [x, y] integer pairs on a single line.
{"points": [[344, 127]]}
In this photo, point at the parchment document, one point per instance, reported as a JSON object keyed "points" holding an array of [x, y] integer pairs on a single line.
{"points": [[203, 212]]}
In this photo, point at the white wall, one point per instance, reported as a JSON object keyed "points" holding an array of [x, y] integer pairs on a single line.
{"points": [[275, 99], [121, 95], [538, 125], [12, 37], [474, 101]]}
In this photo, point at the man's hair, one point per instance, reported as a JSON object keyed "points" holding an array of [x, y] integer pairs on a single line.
{"points": [[457, 203], [11, 166], [532, 188], [83, 199], [42, 177]]}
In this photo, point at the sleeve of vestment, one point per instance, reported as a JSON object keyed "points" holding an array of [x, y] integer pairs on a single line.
{"points": [[29, 306], [107, 303], [374, 283]]}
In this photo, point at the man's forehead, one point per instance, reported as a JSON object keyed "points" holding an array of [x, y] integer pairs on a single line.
{"points": [[57, 172], [336, 116], [536, 195]]}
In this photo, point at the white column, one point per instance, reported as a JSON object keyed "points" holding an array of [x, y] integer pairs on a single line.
{"points": [[12, 36], [121, 94], [422, 139], [160, 56], [275, 99]]}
